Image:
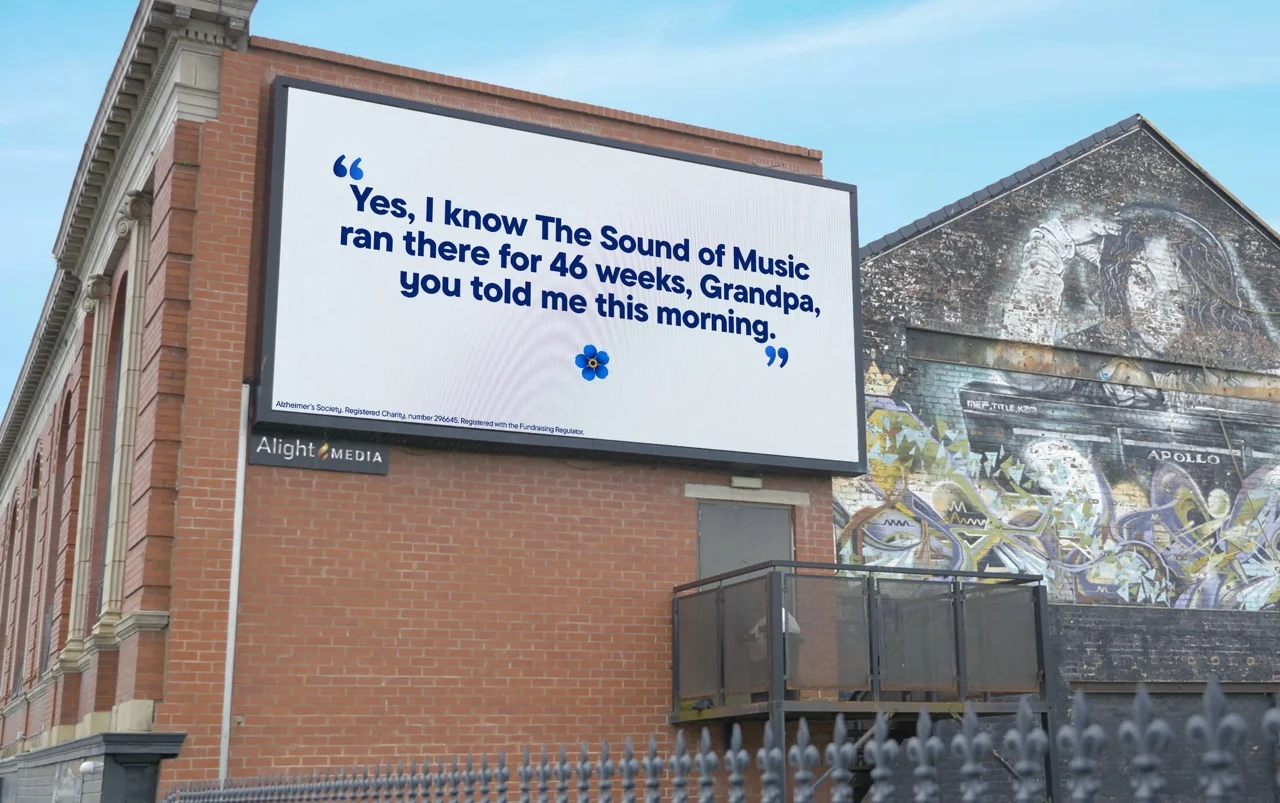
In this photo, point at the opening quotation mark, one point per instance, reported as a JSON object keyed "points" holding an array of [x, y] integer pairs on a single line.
{"points": [[773, 354], [341, 171]]}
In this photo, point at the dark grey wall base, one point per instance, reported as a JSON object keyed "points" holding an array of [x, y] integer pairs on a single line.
{"points": [[107, 767]]}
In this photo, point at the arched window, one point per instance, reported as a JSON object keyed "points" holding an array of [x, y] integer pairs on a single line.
{"points": [[106, 456], [52, 560], [24, 599]]}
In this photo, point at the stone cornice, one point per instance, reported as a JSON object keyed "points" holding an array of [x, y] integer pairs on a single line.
{"points": [[156, 29], [135, 622], [159, 31]]}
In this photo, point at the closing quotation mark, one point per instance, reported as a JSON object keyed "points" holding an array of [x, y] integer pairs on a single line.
{"points": [[340, 170], [777, 353]]}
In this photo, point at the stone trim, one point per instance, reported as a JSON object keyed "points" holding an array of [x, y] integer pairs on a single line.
{"points": [[168, 68], [38, 689], [103, 639], [135, 622], [725, 493], [133, 716], [151, 38], [162, 744], [135, 221], [97, 297]]}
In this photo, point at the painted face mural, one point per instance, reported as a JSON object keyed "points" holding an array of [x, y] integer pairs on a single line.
{"points": [[1123, 479], [1147, 280]]}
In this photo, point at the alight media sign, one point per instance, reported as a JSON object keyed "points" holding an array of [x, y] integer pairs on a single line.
{"points": [[325, 454], [436, 273]]}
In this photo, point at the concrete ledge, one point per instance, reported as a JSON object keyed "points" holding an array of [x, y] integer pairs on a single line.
{"points": [[159, 745], [136, 622], [725, 493], [102, 767]]}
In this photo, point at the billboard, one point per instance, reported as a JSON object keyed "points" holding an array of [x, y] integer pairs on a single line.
{"points": [[437, 273]]}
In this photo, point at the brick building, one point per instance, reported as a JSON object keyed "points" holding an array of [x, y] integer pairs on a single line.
{"points": [[1073, 372], [462, 597], [1040, 402]]}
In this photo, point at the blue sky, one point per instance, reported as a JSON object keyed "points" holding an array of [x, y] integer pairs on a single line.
{"points": [[919, 102]]}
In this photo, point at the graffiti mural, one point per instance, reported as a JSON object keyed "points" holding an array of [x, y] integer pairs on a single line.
{"points": [[1173, 505], [1079, 378]]}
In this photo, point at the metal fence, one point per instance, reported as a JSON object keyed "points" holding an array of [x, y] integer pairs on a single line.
{"points": [[802, 771]]}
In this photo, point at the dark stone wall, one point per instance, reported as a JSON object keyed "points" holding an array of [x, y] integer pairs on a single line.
{"points": [[970, 276], [1159, 646], [1081, 379]]}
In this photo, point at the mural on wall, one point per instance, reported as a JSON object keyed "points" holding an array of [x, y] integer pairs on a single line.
{"points": [[1144, 280], [1176, 504], [1106, 414]]}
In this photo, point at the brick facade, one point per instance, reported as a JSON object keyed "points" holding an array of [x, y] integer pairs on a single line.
{"points": [[465, 598]]}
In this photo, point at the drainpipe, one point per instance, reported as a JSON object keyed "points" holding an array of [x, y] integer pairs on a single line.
{"points": [[233, 602]]}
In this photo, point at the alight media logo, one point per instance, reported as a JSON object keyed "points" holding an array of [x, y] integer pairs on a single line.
{"points": [[275, 450], [288, 449]]}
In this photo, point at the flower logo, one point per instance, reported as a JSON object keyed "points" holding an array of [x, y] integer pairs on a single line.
{"points": [[593, 363]]}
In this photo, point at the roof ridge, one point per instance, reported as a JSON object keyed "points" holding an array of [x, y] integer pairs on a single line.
{"points": [[997, 188]]}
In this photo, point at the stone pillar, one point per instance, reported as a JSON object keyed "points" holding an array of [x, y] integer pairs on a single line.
{"points": [[135, 222], [97, 291]]}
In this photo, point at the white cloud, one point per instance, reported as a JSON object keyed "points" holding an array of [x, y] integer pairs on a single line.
{"points": [[916, 62], [649, 61]]}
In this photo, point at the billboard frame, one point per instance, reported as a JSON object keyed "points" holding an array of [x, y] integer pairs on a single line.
{"points": [[265, 416]]}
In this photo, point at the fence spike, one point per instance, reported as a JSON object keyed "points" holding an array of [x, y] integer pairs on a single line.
{"points": [[880, 753], [736, 761], [502, 776], [585, 769], [653, 767], [1029, 741], [455, 780], [525, 773], [841, 756], [486, 778], [707, 763], [925, 749], [563, 773], [423, 776], [1084, 740], [469, 780], [681, 765], [802, 756], [1271, 731], [769, 760], [971, 745], [544, 778], [442, 779], [607, 768], [1219, 732], [630, 768]]}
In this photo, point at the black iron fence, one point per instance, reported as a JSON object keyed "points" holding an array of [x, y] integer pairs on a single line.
{"points": [[873, 768]]}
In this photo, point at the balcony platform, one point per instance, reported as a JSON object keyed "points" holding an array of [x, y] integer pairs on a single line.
{"points": [[782, 640]]}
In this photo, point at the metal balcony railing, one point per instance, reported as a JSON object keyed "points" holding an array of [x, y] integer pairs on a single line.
{"points": [[806, 638]]}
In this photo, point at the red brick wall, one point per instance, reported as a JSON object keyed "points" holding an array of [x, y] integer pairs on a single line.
{"points": [[53, 535], [469, 601]]}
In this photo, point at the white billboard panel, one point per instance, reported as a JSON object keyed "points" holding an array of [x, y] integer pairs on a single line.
{"points": [[441, 274]]}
